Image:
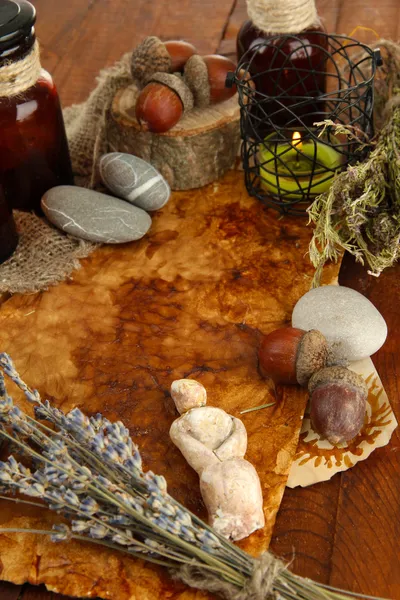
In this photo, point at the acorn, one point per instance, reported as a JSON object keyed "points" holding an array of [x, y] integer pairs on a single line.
{"points": [[206, 76], [150, 56], [338, 399], [291, 356], [162, 102], [154, 56]]}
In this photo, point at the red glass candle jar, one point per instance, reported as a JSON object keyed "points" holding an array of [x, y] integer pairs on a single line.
{"points": [[33, 146], [285, 62]]}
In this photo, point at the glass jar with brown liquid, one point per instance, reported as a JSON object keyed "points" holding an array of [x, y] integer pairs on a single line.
{"points": [[285, 62], [34, 152]]}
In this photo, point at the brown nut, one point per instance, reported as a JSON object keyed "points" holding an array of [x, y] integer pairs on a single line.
{"points": [[290, 355], [158, 108], [177, 84], [218, 68], [206, 77], [179, 52], [338, 403]]}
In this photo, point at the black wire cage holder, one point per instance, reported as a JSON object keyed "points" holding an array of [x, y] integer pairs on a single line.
{"points": [[296, 137]]}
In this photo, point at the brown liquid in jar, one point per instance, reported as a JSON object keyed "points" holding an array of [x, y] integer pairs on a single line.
{"points": [[33, 148], [272, 78], [34, 152]]}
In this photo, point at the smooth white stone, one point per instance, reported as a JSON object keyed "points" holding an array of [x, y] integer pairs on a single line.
{"points": [[134, 180], [93, 216], [352, 325]]}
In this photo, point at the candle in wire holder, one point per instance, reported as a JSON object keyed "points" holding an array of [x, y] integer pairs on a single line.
{"points": [[294, 142]]}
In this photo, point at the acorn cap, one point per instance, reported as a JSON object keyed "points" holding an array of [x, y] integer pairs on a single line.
{"points": [[311, 355], [196, 77], [338, 375], [151, 56], [176, 83]]}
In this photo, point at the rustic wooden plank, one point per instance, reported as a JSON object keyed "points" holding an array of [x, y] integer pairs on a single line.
{"points": [[382, 18], [9, 591], [80, 38], [366, 553], [329, 11], [39, 593], [366, 556]]}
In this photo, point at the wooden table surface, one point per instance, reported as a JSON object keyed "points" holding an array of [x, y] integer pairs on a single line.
{"points": [[343, 532]]}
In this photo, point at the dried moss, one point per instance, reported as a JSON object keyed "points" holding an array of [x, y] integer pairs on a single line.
{"points": [[361, 211]]}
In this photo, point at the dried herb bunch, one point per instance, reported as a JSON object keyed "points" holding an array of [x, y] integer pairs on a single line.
{"points": [[361, 211], [90, 471]]}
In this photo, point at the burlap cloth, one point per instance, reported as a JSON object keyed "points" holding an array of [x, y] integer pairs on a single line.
{"points": [[46, 256]]}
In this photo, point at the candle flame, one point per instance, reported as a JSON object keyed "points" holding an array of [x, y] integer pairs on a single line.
{"points": [[296, 139]]}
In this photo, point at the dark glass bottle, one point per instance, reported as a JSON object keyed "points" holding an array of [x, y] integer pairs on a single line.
{"points": [[8, 232], [289, 66], [34, 152]]}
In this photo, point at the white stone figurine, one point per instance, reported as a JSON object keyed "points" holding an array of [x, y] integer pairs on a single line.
{"points": [[214, 444]]}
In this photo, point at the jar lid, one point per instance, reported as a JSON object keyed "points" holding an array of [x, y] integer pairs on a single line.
{"points": [[17, 18]]}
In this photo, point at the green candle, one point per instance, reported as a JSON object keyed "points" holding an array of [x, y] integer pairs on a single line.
{"points": [[286, 169]]}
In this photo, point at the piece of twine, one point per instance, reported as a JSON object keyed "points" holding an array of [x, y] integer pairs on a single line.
{"points": [[18, 76], [283, 16], [260, 585]]}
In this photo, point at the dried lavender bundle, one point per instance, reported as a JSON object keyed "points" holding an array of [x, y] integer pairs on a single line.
{"points": [[361, 211], [90, 471]]}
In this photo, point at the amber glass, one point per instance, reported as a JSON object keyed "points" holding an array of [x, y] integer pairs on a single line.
{"points": [[304, 78], [33, 146]]}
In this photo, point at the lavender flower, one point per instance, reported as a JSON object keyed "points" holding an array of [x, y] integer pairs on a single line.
{"points": [[90, 471]]}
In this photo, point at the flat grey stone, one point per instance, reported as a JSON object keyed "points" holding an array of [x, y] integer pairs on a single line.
{"points": [[93, 216], [134, 180], [352, 325]]}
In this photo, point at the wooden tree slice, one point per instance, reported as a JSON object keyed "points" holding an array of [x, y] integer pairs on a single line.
{"points": [[198, 150]]}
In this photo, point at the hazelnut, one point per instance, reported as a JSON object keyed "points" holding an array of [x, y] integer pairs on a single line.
{"points": [[179, 52], [206, 77], [218, 68], [290, 355], [176, 83], [338, 403], [158, 108]]}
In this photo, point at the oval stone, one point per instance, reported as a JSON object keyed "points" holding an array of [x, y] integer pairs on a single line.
{"points": [[93, 216], [134, 180], [352, 325]]}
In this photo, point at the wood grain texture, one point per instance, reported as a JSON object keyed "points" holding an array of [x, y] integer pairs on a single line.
{"points": [[343, 531], [80, 37], [8, 591], [38, 593]]}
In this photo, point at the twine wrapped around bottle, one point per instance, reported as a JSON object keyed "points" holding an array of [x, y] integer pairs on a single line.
{"points": [[18, 76], [283, 16]]}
